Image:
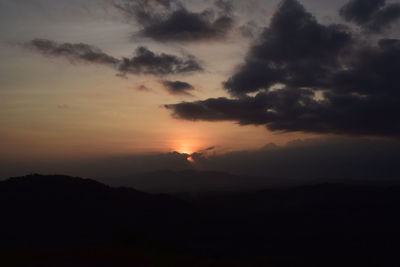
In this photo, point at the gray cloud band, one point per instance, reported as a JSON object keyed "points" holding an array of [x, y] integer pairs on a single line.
{"points": [[143, 61]]}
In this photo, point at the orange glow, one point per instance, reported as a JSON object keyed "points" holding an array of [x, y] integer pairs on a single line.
{"points": [[186, 146], [185, 149]]}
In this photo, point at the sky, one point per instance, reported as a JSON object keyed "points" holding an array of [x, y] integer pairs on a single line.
{"points": [[100, 80]]}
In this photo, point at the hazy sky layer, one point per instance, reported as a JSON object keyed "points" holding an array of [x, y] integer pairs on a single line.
{"points": [[75, 84], [312, 160]]}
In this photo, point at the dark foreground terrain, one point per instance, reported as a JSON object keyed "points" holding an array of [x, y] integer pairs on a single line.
{"points": [[65, 221]]}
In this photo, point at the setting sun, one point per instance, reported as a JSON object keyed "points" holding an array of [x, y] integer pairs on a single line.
{"points": [[186, 148]]}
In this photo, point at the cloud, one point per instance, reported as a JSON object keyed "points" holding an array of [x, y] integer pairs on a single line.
{"points": [[76, 53], [170, 20], [309, 77], [178, 87], [143, 88], [295, 49], [247, 110], [143, 61], [372, 15], [249, 29]]}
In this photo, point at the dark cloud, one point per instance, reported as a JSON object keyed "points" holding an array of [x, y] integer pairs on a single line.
{"points": [[246, 110], [385, 18], [178, 87], [295, 49], [249, 30], [361, 11], [184, 25], [143, 88], [329, 81], [170, 20], [225, 5], [146, 11], [373, 15], [143, 61], [80, 53]]}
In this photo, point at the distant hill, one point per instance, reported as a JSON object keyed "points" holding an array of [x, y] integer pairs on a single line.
{"points": [[59, 210], [200, 182], [314, 225], [193, 181]]}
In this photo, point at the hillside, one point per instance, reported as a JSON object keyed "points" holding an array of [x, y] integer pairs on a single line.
{"points": [[318, 225]]}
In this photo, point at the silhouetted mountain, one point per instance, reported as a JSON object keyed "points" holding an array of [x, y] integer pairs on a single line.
{"points": [[62, 218], [192, 181], [59, 210], [200, 182]]}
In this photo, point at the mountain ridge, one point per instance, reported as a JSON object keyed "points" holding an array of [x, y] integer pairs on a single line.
{"points": [[291, 226]]}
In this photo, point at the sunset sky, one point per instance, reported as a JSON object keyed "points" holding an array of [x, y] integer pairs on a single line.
{"points": [[83, 79]]}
